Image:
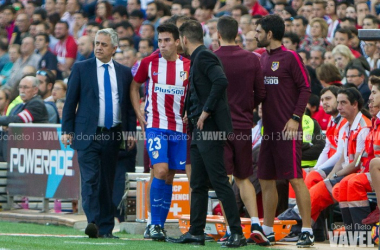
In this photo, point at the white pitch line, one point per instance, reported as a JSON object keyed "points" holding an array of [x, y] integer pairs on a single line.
{"points": [[43, 235], [93, 243]]}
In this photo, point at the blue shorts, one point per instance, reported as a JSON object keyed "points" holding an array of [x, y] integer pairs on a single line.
{"points": [[166, 146]]}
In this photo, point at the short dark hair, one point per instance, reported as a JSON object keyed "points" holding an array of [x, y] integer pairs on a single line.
{"points": [[125, 24], [9, 7], [42, 12], [83, 13], [334, 90], [242, 8], [207, 4], [375, 72], [50, 77], [349, 19], [227, 28], [345, 31], [64, 22], [129, 39], [137, 13], [353, 95], [149, 41], [121, 10], [290, 10], [305, 22], [293, 37], [360, 70], [373, 18], [307, 53], [375, 80], [46, 36], [3, 45], [341, 3], [273, 23], [192, 30], [170, 28], [314, 101]]}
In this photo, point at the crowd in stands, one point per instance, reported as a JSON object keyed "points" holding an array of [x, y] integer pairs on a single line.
{"points": [[44, 38]]}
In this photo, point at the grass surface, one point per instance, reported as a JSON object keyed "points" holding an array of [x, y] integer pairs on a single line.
{"points": [[127, 241]]}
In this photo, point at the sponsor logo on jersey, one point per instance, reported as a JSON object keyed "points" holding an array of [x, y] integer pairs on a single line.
{"points": [[169, 89], [275, 66], [270, 80]]}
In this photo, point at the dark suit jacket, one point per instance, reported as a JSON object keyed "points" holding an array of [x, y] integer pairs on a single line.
{"points": [[83, 91], [210, 83]]}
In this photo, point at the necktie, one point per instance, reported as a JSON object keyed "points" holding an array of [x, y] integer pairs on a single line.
{"points": [[108, 118]]}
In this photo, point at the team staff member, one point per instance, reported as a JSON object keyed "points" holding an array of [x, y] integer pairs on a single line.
{"points": [[98, 107], [288, 89], [207, 111], [166, 134], [242, 86]]}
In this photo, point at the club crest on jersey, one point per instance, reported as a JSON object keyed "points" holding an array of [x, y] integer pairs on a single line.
{"points": [[155, 154], [183, 75], [275, 66]]}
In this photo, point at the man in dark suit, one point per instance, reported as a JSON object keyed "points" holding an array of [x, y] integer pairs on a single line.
{"points": [[97, 109], [207, 112]]}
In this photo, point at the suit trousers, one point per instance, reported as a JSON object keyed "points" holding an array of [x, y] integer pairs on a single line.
{"points": [[97, 164], [207, 169]]}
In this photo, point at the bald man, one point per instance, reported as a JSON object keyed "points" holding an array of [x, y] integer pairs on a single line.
{"points": [[85, 48]]}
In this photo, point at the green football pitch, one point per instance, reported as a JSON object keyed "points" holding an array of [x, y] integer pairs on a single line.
{"points": [[20, 236]]}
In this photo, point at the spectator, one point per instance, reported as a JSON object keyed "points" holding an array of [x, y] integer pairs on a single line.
{"points": [[60, 103], [21, 30], [362, 9], [103, 11], [152, 15], [136, 19], [370, 22], [30, 6], [66, 48], [370, 49], [9, 15], [50, 6], [119, 14], [307, 11], [119, 57], [91, 29], [357, 76], [351, 12], [341, 8], [72, 7], [334, 21], [288, 12], [176, 8], [316, 56], [145, 48], [33, 109], [344, 36], [130, 57], [4, 57], [328, 74], [44, 28], [80, 24], [318, 32], [48, 59], [342, 55], [147, 32], [39, 15], [245, 24], [4, 100], [278, 8], [291, 41], [59, 90], [215, 45], [125, 29], [237, 12], [125, 43], [297, 4], [254, 8], [28, 58], [250, 41], [46, 79], [133, 5], [328, 58], [85, 48], [14, 54], [32, 28], [319, 9], [299, 25], [187, 11], [288, 24], [305, 55]]}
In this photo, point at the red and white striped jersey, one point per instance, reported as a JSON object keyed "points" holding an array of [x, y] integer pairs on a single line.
{"points": [[165, 92]]}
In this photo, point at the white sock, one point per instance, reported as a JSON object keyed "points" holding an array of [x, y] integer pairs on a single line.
{"points": [[149, 220], [267, 230], [255, 220], [228, 230], [307, 229]]}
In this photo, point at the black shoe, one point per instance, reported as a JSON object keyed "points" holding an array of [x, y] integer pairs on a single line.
{"points": [[258, 235], [188, 238], [250, 241], [147, 232], [108, 236], [306, 240], [235, 240], [291, 237], [209, 238], [156, 232], [92, 230]]}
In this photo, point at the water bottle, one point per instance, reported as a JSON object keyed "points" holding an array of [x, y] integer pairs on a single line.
{"points": [[57, 206]]}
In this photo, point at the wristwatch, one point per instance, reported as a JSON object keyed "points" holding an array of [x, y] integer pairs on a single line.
{"points": [[296, 118], [335, 175]]}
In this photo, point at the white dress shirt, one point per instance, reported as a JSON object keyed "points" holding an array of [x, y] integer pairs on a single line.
{"points": [[115, 93]]}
